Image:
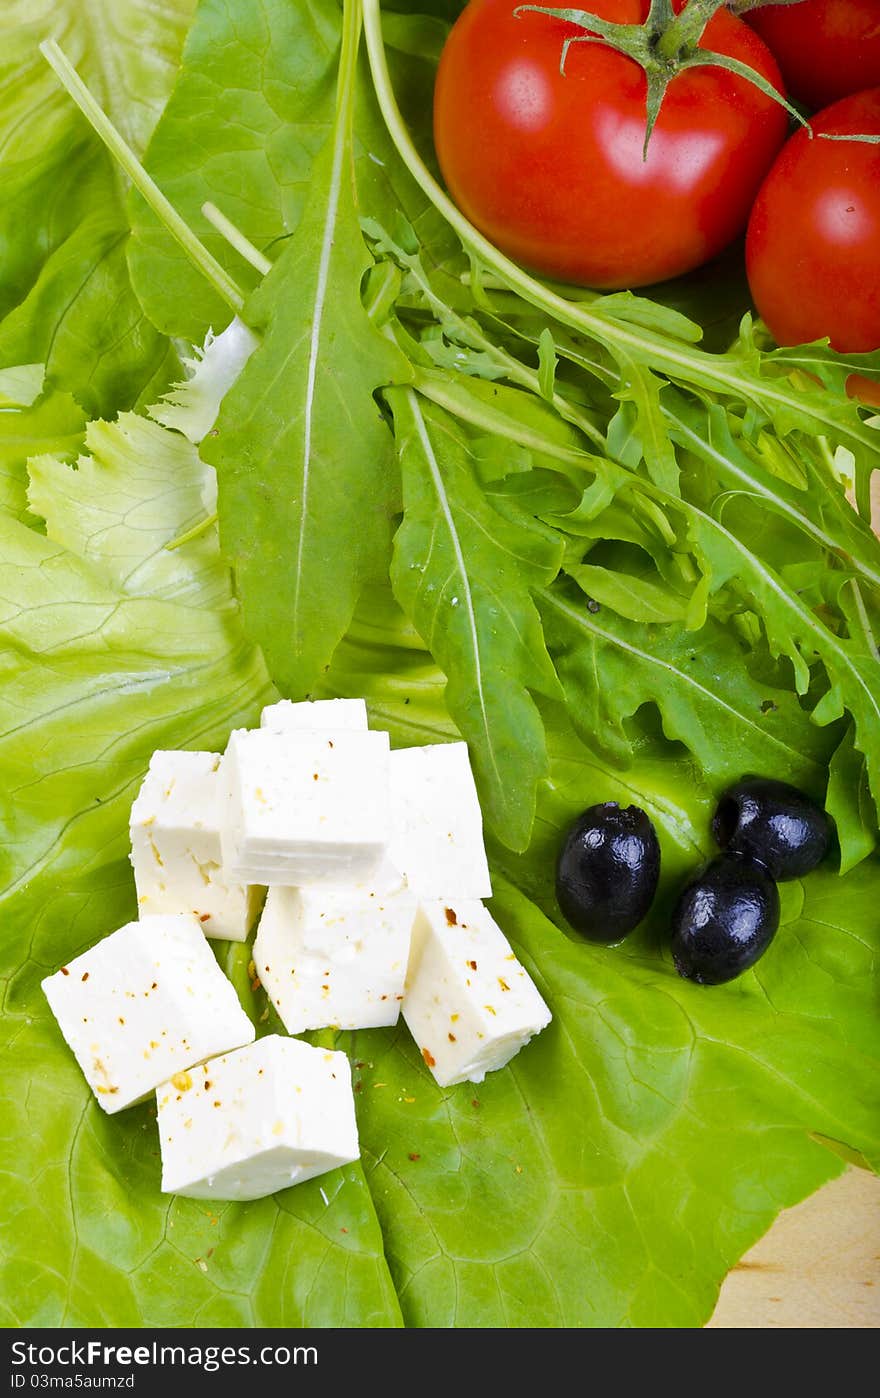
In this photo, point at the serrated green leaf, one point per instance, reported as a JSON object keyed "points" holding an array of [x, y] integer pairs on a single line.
{"points": [[139, 488], [55, 423], [645, 424], [730, 720]]}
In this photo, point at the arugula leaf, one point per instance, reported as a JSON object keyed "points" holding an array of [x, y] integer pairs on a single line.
{"points": [[306, 494], [817, 508], [640, 392], [732, 721], [464, 575], [850, 804], [629, 594]]}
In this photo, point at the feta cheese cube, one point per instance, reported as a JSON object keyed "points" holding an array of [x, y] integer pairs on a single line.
{"points": [[175, 846], [257, 1120], [314, 714], [144, 1003], [305, 807], [437, 840], [335, 956], [469, 1003]]}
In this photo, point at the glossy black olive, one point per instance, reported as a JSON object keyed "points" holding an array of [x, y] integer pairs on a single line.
{"points": [[775, 823], [724, 920], [607, 871]]}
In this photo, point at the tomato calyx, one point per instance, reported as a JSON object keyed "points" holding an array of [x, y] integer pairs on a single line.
{"points": [[665, 45]]}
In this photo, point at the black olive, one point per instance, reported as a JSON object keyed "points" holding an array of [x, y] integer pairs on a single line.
{"points": [[607, 871], [775, 823], [725, 918]]}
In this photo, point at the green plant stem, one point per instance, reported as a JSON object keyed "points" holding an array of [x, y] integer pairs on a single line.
{"points": [[235, 238], [197, 529], [101, 124]]}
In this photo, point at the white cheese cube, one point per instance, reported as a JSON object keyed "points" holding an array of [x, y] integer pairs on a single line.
{"points": [[314, 714], [437, 841], [469, 1003], [255, 1121], [175, 846], [305, 807], [144, 1003], [335, 956]]}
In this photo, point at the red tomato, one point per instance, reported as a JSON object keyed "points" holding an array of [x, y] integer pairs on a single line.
{"points": [[813, 242], [825, 48], [549, 166]]}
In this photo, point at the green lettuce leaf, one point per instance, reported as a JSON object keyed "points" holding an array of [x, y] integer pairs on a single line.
{"points": [[609, 1177], [54, 423], [113, 648], [65, 295]]}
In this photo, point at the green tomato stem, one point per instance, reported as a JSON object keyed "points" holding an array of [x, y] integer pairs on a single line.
{"points": [[683, 31]]}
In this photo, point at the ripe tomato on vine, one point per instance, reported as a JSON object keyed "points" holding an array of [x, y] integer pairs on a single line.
{"points": [[547, 157]]}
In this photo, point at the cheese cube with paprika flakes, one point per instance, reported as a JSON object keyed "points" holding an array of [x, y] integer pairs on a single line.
{"points": [[336, 956], [469, 1003], [305, 807], [175, 847], [144, 1003], [255, 1121]]}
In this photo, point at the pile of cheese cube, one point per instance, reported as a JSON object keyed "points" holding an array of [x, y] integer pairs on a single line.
{"points": [[366, 870]]}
